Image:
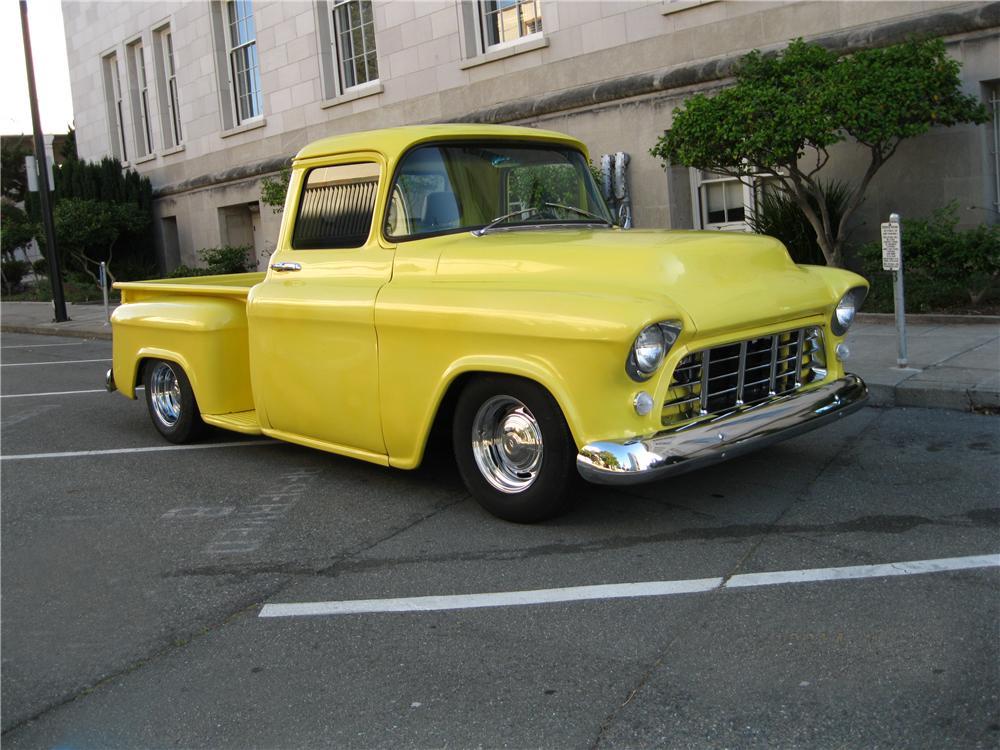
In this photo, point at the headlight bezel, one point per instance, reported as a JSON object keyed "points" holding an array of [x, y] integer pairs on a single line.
{"points": [[641, 369], [851, 301]]}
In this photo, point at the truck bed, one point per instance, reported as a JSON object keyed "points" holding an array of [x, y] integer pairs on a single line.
{"points": [[234, 285]]}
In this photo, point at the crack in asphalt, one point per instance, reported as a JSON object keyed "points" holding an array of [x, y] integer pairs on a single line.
{"points": [[181, 639], [768, 529], [988, 518]]}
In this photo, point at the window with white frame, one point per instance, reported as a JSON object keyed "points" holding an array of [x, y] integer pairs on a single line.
{"points": [[139, 94], [353, 41], [166, 86], [506, 21], [724, 202], [244, 66], [115, 107]]}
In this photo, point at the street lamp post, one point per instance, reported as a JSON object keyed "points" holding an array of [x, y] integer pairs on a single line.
{"points": [[58, 301]]}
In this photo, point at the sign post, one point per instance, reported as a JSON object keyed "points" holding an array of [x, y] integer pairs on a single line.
{"points": [[892, 260]]}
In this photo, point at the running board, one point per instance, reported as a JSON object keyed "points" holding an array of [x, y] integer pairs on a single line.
{"points": [[237, 421]]}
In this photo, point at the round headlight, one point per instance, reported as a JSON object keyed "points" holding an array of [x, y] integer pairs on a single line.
{"points": [[649, 349], [843, 316]]}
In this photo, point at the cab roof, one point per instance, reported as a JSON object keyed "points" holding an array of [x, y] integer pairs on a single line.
{"points": [[392, 142]]}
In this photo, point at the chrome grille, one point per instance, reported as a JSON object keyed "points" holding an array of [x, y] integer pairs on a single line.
{"points": [[716, 380]]}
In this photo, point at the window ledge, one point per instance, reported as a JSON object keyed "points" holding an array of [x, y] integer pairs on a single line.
{"points": [[500, 53], [252, 125], [676, 6], [353, 94], [172, 150], [143, 159]]}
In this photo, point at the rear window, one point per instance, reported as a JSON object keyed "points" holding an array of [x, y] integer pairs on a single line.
{"points": [[336, 207]]}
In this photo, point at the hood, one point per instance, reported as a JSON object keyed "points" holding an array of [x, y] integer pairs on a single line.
{"points": [[711, 279]]}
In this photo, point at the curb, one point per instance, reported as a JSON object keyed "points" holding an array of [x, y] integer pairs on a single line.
{"points": [[929, 319], [929, 397], [77, 333]]}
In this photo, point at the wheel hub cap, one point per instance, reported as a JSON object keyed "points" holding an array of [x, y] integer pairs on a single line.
{"points": [[507, 444], [165, 394]]}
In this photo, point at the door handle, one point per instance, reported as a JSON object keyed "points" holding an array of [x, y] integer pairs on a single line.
{"points": [[286, 266]]}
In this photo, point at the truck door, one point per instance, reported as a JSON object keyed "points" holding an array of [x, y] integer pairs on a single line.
{"points": [[313, 351]]}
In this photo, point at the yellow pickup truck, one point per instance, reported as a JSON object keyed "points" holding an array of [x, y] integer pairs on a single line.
{"points": [[472, 276]]}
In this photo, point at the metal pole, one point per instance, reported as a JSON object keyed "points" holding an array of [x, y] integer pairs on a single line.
{"points": [[899, 298], [58, 301], [104, 291]]}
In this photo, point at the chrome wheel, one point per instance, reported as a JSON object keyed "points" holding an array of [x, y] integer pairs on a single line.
{"points": [[507, 444], [165, 394]]}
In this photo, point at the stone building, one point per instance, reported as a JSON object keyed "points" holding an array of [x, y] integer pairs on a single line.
{"points": [[206, 97]]}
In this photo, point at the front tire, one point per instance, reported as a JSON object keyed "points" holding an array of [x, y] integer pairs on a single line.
{"points": [[513, 449], [171, 402]]}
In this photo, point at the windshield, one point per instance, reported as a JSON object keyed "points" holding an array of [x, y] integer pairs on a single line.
{"points": [[446, 188]]}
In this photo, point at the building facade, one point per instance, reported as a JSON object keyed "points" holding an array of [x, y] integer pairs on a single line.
{"points": [[207, 97]]}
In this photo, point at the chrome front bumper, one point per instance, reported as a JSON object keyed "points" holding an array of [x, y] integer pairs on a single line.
{"points": [[719, 437]]}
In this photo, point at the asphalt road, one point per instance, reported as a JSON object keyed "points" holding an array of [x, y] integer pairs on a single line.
{"points": [[133, 582]]}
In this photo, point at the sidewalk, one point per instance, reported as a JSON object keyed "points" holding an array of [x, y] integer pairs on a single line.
{"points": [[954, 361]]}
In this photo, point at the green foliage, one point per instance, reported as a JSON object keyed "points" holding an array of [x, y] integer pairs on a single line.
{"points": [[944, 267], [12, 272], [88, 230], [785, 111], [218, 260], [778, 215], [274, 190], [16, 229], [13, 175], [101, 213], [40, 267]]}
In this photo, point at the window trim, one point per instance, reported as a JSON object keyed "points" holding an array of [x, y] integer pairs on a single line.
{"points": [[114, 105], [167, 89], [699, 205], [335, 38], [138, 80], [232, 49], [486, 48], [332, 82]]}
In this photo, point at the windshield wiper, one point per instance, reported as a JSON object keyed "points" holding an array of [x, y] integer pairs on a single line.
{"points": [[582, 212], [500, 219]]}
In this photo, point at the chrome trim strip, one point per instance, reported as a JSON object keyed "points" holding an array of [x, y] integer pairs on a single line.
{"points": [[705, 361], [109, 381], [774, 364], [741, 373], [798, 358], [716, 437]]}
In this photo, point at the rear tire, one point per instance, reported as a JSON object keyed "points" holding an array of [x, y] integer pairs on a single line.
{"points": [[513, 449], [171, 402]]}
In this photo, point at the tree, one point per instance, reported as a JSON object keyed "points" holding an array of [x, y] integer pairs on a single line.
{"points": [[12, 170], [88, 231], [785, 112]]}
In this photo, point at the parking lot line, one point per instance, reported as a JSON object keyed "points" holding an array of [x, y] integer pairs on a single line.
{"points": [[62, 362], [53, 393], [150, 449], [624, 590], [38, 346]]}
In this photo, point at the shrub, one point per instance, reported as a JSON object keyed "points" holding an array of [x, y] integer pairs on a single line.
{"points": [[944, 267], [13, 272], [40, 267], [226, 259], [218, 260], [778, 215]]}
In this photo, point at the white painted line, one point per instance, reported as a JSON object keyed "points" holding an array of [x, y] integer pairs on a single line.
{"points": [[151, 449], [38, 346], [52, 393], [63, 362], [852, 572], [501, 599], [625, 590]]}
